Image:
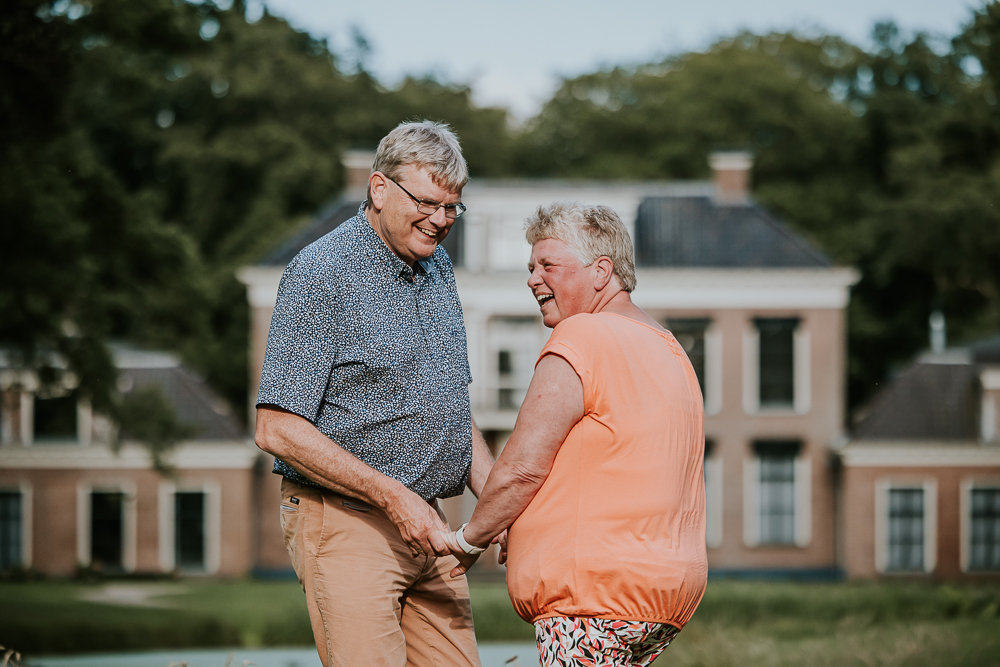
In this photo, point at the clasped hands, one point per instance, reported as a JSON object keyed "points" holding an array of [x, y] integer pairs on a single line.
{"points": [[424, 531], [465, 560]]}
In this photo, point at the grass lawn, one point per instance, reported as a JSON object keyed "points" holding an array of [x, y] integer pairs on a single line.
{"points": [[738, 623]]}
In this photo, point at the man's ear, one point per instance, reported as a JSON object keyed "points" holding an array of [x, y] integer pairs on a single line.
{"points": [[378, 184], [604, 271]]}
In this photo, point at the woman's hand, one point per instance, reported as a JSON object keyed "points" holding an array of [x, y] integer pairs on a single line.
{"points": [[465, 561], [501, 539]]}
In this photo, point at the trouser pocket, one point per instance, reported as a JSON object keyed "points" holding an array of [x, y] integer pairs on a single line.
{"points": [[291, 514]]}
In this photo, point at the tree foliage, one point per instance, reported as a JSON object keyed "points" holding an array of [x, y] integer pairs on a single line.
{"points": [[149, 149]]}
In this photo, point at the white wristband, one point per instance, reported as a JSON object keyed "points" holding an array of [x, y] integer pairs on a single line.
{"points": [[466, 547]]}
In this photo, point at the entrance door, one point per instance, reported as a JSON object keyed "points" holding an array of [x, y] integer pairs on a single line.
{"points": [[189, 538], [106, 530]]}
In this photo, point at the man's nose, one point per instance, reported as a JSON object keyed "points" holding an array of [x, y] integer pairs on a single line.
{"points": [[534, 280], [438, 217]]}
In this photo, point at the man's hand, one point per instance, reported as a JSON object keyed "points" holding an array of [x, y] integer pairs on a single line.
{"points": [[418, 523], [465, 561]]}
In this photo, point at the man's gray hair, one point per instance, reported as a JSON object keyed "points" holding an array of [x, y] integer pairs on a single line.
{"points": [[422, 144], [589, 232]]}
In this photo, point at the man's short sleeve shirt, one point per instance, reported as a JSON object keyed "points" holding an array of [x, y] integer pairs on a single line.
{"points": [[373, 353]]}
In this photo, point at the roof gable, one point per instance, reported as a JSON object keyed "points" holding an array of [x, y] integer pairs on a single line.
{"points": [[928, 401], [697, 231]]}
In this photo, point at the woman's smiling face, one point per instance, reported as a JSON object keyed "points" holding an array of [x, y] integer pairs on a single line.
{"points": [[561, 284]]}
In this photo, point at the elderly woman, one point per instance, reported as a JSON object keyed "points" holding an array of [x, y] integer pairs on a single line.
{"points": [[601, 483]]}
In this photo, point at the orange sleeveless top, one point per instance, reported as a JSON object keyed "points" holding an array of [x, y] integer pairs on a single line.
{"points": [[617, 529]]}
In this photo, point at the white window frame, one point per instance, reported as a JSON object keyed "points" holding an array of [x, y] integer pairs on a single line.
{"points": [[27, 425], [27, 513], [713, 500], [802, 517], [129, 520], [801, 371], [84, 423], [965, 519], [713, 369], [168, 524], [989, 425], [497, 339], [882, 488]]}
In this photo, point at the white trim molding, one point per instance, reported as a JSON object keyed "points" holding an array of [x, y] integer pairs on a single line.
{"points": [[751, 501], [751, 369], [27, 425], [713, 369], [988, 417], [221, 454], [165, 524], [904, 453], [713, 501], [703, 288], [989, 425], [882, 488], [802, 369], [803, 501]]}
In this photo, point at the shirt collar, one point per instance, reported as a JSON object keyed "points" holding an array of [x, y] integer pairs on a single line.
{"points": [[385, 259]]}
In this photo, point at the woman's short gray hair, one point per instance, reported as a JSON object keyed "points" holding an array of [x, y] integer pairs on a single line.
{"points": [[589, 232], [423, 144]]}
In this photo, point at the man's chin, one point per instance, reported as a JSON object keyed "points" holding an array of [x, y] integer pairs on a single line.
{"points": [[424, 250]]}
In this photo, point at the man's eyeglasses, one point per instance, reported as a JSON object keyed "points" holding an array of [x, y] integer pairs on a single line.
{"points": [[430, 207]]}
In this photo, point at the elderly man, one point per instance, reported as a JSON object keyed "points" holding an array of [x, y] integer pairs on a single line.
{"points": [[364, 402]]}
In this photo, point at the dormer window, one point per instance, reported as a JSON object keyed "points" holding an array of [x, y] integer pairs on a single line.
{"points": [[55, 419]]}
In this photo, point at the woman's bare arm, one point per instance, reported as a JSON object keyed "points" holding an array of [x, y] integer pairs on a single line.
{"points": [[552, 406]]}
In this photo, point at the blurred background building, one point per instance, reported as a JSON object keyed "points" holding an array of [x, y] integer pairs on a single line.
{"points": [[915, 489]]}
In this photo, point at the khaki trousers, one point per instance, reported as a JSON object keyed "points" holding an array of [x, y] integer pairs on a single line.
{"points": [[370, 601]]}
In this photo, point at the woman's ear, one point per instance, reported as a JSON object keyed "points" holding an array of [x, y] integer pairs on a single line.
{"points": [[604, 271]]}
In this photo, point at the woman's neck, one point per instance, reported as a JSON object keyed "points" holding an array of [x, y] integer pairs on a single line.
{"points": [[621, 304]]}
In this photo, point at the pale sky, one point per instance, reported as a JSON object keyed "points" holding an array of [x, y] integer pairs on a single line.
{"points": [[513, 53]]}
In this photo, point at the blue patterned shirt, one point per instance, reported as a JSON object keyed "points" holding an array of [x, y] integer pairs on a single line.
{"points": [[373, 353]]}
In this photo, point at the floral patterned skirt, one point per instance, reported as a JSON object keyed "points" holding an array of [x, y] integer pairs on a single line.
{"points": [[565, 641]]}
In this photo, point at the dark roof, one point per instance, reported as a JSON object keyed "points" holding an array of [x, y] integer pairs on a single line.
{"points": [[325, 222], [193, 401], [697, 231], [928, 401], [986, 351]]}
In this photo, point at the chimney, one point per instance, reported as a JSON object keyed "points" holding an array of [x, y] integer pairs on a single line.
{"points": [[358, 165], [732, 176], [938, 332], [989, 411]]}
